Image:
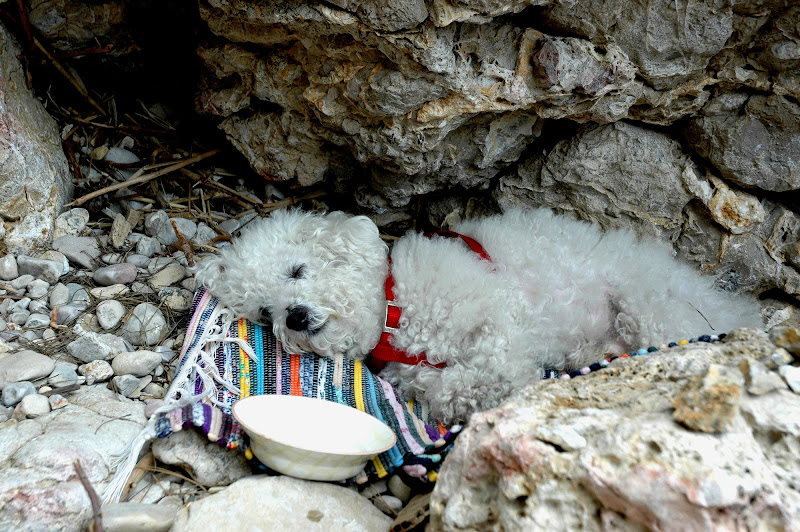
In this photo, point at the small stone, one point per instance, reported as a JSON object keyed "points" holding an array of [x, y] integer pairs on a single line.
{"points": [[48, 334], [38, 307], [71, 222], [8, 268], [146, 246], [57, 256], [47, 270], [167, 277], [25, 365], [138, 363], [115, 274], [230, 225], [176, 298], [35, 321], [38, 288], [787, 338], [96, 346], [120, 229], [138, 517], [96, 371], [399, 489], [166, 234], [68, 313], [35, 405], [110, 313], [63, 375], [154, 221], [388, 504], [151, 405], [78, 293], [758, 378], [80, 250], [777, 358], [19, 316], [21, 282], [210, 465], [159, 263], [204, 234], [57, 401], [112, 258], [109, 292], [120, 156], [154, 390], [21, 304], [145, 326], [140, 261], [709, 403], [5, 413], [141, 288], [190, 284], [14, 392], [126, 385], [88, 322], [791, 374]]}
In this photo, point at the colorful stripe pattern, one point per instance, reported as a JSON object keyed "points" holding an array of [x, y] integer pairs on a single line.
{"points": [[421, 442]]}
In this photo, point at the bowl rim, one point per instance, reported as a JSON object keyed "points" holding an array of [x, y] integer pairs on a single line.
{"points": [[268, 397]]}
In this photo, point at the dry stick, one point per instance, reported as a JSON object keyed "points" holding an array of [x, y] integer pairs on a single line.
{"points": [[96, 524], [211, 183], [142, 178], [70, 77], [183, 244]]}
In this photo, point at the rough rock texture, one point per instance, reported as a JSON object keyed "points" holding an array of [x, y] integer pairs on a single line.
{"points": [[39, 487], [603, 452], [34, 176], [297, 505]]}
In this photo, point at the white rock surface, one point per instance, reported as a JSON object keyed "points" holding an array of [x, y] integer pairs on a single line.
{"points": [[294, 505], [109, 313], [25, 365], [138, 363], [137, 517], [209, 464], [96, 371], [96, 346], [34, 405], [145, 326], [71, 222]]}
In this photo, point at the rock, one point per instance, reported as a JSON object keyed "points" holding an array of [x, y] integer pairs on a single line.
{"points": [[57, 256], [25, 365], [298, 505], [140, 261], [176, 299], [37, 459], [709, 403], [35, 321], [110, 313], [48, 270], [8, 267], [36, 177], [126, 385], [137, 517], [96, 346], [151, 405], [14, 392], [166, 234], [120, 229], [399, 489], [63, 374], [37, 288], [208, 464], [57, 401], [96, 371], [145, 326], [109, 292], [115, 274], [204, 234], [35, 405], [159, 263], [787, 338], [759, 378], [120, 156], [78, 294], [71, 222], [146, 246], [154, 221], [19, 317], [154, 390], [137, 363], [80, 250], [22, 281], [168, 276], [791, 374], [68, 313], [639, 470]]}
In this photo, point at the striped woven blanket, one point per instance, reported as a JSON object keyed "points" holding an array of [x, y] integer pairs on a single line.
{"points": [[224, 359]]}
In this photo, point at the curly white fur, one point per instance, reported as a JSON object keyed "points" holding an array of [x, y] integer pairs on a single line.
{"points": [[557, 294]]}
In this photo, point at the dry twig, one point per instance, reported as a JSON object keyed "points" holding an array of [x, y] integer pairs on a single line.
{"points": [[64, 72], [96, 524]]}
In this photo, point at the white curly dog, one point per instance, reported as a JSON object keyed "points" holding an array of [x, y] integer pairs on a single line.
{"points": [[556, 293]]}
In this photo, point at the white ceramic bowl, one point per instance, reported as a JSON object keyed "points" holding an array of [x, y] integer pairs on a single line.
{"points": [[311, 438]]}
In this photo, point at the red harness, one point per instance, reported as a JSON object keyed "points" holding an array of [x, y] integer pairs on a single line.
{"points": [[384, 352]]}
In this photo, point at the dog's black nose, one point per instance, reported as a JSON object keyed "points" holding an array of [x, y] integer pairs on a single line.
{"points": [[297, 319]]}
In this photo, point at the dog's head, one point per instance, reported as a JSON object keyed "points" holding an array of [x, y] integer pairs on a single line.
{"points": [[317, 280]]}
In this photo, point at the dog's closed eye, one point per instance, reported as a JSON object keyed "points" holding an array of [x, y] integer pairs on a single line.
{"points": [[298, 271], [265, 316]]}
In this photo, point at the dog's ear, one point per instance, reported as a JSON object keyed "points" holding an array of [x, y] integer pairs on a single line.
{"points": [[355, 235]]}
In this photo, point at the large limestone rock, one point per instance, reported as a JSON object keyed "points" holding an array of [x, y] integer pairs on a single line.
{"points": [[612, 451], [39, 487], [34, 175]]}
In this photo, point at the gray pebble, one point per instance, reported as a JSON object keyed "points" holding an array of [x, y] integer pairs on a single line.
{"points": [[129, 516], [230, 225], [35, 405], [38, 307], [168, 276], [80, 250], [109, 313], [109, 292], [96, 346], [31, 335], [151, 405], [146, 246], [37, 320], [126, 384], [190, 283], [21, 282], [25, 365], [791, 374], [120, 229], [176, 298], [49, 270], [120, 156], [57, 401], [115, 274], [137, 363], [8, 268], [96, 371], [15, 391], [48, 334], [154, 221], [78, 294], [158, 264], [71, 222], [64, 374], [68, 313], [154, 390], [57, 256], [112, 258], [166, 233], [138, 260], [204, 234], [6, 411], [3, 324], [19, 316], [145, 326], [141, 288], [38, 288], [20, 304]]}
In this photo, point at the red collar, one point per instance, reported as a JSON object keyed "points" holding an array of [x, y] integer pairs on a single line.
{"points": [[384, 352]]}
